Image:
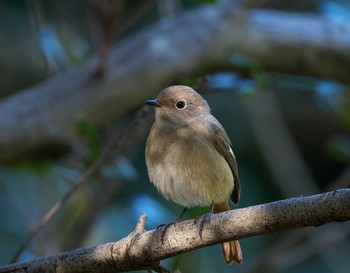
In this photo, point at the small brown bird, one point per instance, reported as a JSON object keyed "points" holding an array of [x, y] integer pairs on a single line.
{"points": [[189, 158]]}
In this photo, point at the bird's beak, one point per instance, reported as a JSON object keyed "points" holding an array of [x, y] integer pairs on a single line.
{"points": [[153, 103]]}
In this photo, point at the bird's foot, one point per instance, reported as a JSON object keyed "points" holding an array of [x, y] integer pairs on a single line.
{"points": [[166, 226], [202, 220], [163, 228]]}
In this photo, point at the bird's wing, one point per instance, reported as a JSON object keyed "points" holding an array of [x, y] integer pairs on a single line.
{"points": [[222, 144]]}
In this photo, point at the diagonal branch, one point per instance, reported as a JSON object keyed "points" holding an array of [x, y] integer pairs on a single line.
{"points": [[113, 146], [144, 250]]}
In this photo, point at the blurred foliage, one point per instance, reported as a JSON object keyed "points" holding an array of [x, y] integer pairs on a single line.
{"points": [[316, 112], [339, 148], [251, 69], [91, 136]]}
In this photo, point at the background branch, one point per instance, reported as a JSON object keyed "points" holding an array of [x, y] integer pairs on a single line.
{"points": [[142, 250], [113, 146], [47, 115]]}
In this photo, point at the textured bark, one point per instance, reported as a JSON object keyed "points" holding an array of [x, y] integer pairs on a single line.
{"points": [[144, 249], [199, 41]]}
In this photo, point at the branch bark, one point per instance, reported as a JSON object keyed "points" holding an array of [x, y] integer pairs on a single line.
{"points": [[198, 41], [144, 249]]}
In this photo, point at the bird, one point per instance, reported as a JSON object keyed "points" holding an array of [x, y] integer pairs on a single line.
{"points": [[189, 158]]}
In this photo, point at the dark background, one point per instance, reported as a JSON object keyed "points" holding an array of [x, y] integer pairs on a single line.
{"points": [[290, 134]]}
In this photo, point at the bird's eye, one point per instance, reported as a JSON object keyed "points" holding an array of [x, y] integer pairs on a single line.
{"points": [[180, 105]]}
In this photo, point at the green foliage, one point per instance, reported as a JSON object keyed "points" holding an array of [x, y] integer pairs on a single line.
{"points": [[92, 139], [249, 66], [339, 148]]}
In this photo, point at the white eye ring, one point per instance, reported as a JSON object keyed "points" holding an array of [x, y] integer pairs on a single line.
{"points": [[180, 105]]}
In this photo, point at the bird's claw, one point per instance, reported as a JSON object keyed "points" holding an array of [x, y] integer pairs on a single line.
{"points": [[202, 219], [165, 228]]}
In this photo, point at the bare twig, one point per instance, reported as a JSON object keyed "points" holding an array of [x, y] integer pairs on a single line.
{"points": [[111, 146], [144, 250], [108, 20]]}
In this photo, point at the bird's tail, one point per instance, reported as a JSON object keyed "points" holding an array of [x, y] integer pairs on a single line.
{"points": [[231, 250]]}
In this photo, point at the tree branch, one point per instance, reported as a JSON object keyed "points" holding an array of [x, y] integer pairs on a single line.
{"points": [[144, 249], [198, 41], [113, 146]]}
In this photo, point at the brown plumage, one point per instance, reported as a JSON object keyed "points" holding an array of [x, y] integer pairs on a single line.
{"points": [[189, 158]]}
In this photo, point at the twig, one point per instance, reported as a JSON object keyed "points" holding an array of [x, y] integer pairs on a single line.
{"points": [[112, 146]]}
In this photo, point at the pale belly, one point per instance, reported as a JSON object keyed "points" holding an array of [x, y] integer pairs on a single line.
{"points": [[194, 176]]}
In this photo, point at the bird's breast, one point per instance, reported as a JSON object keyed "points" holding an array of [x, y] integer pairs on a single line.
{"points": [[185, 167]]}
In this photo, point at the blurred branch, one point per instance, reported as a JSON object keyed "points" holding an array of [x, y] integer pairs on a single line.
{"points": [[304, 243], [200, 41], [113, 146], [168, 7], [299, 247], [36, 18], [290, 171], [278, 147], [107, 191], [144, 250], [293, 177], [108, 20]]}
